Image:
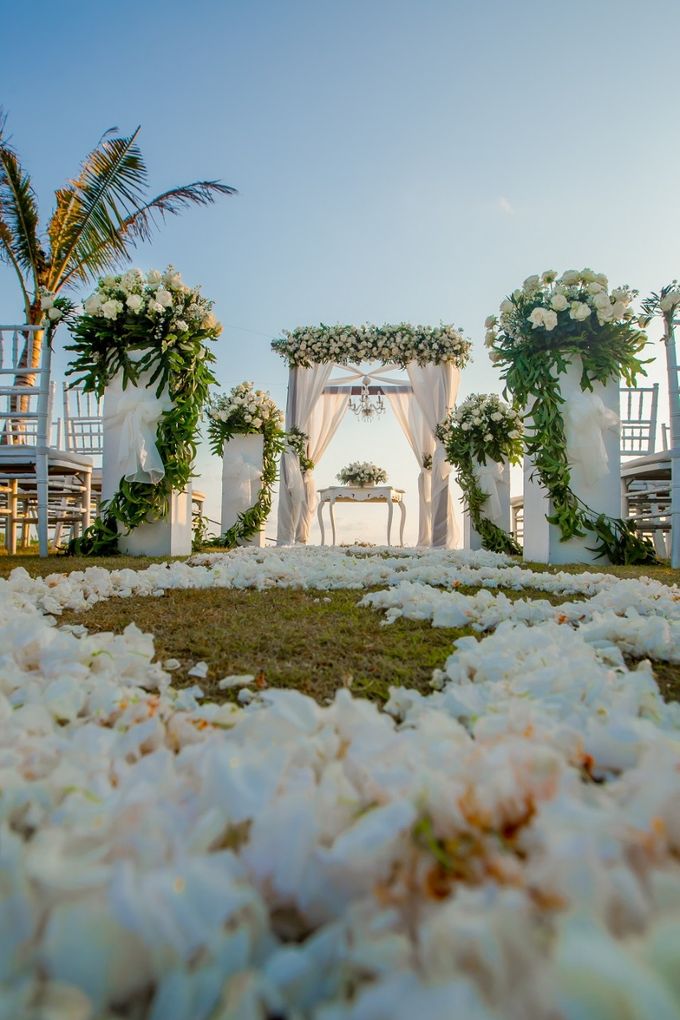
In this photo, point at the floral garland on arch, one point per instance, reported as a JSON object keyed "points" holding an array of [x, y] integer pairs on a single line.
{"points": [[399, 344], [540, 328], [482, 428], [362, 473], [163, 324], [246, 411]]}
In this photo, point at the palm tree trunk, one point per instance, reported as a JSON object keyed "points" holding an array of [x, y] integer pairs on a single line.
{"points": [[30, 358]]}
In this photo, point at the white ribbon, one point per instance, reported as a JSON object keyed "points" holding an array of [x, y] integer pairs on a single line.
{"points": [[136, 415], [488, 476], [586, 418]]}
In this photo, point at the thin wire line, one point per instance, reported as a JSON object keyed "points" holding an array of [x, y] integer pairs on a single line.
{"points": [[244, 329]]}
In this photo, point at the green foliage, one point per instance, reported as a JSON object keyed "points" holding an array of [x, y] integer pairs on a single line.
{"points": [[482, 428], [298, 441], [532, 361], [103, 348], [247, 411]]}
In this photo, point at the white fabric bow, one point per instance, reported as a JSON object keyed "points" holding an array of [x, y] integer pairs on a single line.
{"points": [[585, 420], [136, 415], [488, 476]]}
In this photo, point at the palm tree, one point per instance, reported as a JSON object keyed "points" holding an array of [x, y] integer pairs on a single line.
{"points": [[98, 218]]}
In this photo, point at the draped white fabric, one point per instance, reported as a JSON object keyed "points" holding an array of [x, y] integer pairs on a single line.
{"points": [[408, 413], [241, 477], [325, 420], [130, 421], [435, 388], [304, 390], [489, 476], [586, 418]]}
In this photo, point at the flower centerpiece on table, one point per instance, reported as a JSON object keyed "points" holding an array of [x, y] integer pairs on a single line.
{"points": [[362, 474], [247, 411], [480, 430], [151, 326], [543, 326]]}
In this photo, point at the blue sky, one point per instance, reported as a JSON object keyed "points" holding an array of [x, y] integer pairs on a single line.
{"points": [[395, 159]]}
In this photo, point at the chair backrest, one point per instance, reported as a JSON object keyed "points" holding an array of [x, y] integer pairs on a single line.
{"points": [[638, 411], [83, 428], [25, 406]]}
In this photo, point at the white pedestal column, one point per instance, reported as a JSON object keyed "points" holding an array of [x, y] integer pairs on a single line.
{"points": [[171, 535], [497, 507], [601, 493], [241, 481]]}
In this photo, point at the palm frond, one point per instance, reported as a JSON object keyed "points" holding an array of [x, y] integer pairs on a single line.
{"points": [[19, 209], [8, 254], [91, 209], [138, 226]]}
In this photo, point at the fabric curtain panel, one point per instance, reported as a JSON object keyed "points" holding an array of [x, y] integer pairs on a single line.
{"points": [[324, 423], [421, 440], [305, 387], [435, 388]]}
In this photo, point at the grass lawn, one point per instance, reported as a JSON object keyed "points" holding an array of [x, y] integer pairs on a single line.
{"points": [[313, 641]]}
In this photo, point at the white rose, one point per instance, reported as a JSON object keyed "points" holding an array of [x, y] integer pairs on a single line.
{"points": [[506, 306], [111, 309], [466, 426], [601, 300], [257, 422], [571, 276], [531, 284], [588, 276], [579, 311], [549, 276], [181, 326], [537, 317], [54, 313], [488, 437], [558, 302], [618, 308], [134, 302], [164, 297], [172, 279], [490, 321], [93, 304], [153, 277], [496, 416], [154, 306], [549, 320], [46, 302], [595, 287]]}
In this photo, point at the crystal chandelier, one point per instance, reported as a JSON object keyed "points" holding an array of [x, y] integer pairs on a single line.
{"points": [[365, 408]]}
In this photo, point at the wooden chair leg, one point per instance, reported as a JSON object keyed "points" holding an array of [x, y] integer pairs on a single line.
{"points": [[12, 519]]}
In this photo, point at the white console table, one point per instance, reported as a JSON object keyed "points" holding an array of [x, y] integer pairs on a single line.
{"points": [[362, 494]]}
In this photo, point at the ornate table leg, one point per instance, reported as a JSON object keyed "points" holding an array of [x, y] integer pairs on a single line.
{"points": [[332, 506], [390, 511], [402, 508], [319, 514]]}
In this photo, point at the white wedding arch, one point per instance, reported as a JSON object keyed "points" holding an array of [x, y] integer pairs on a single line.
{"points": [[417, 368]]}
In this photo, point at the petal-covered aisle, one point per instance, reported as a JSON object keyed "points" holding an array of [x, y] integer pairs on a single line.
{"points": [[504, 847]]}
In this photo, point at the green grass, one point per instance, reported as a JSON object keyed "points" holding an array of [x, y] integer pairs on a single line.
{"points": [[316, 642], [313, 641]]}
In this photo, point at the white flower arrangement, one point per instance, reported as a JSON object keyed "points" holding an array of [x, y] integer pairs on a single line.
{"points": [[398, 344], [170, 309], [243, 410], [562, 306], [486, 425], [362, 473]]}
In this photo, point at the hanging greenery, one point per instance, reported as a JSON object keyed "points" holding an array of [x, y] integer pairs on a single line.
{"points": [[483, 429], [247, 411], [298, 441], [541, 328], [398, 344], [146, 326]]}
